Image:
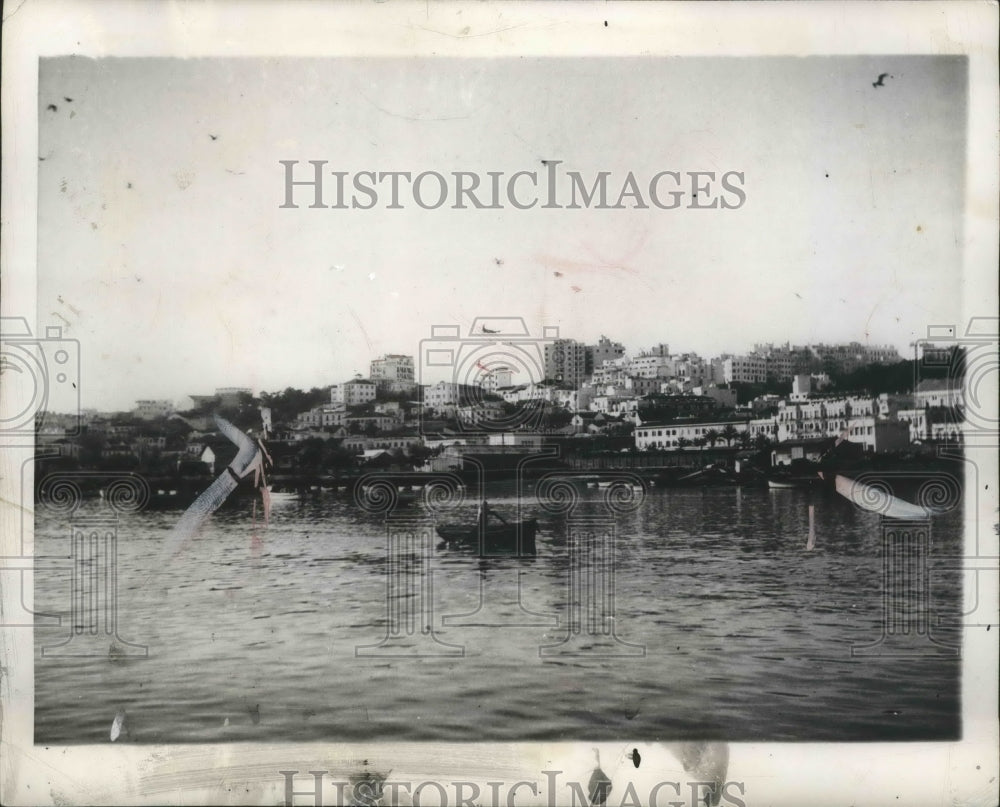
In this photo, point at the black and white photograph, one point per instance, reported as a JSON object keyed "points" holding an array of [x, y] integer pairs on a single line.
{"points": [[435, 416]]}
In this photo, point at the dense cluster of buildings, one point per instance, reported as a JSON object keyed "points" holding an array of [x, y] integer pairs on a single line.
{"points": [[657, 399]]}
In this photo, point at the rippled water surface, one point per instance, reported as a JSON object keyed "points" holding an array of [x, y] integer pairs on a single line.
{"points": [[727, 626]]}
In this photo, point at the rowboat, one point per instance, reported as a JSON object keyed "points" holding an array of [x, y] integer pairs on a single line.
{"points": [[792, 482], [499, 539]]}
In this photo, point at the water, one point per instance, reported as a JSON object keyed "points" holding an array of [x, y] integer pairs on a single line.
{"points": [[252, 631]]}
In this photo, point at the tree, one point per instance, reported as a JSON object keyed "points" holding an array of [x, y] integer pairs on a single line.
{"points": [[556, 418], [683, 442], [712, 437], [336, 457], [310, 456], [419, 453], [286, 405], [729, 433]]}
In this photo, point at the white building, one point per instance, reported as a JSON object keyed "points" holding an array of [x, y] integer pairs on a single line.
{"points": [[821, 417], [441, 394], [393, 373], [358, 443], [750, 369], [496, 378], [322, 416], [355, 392], [663, 436], [922, 427], [150, 409], [939, 392], [614, 405], [392, 367], [652, 365], [801, 387]]}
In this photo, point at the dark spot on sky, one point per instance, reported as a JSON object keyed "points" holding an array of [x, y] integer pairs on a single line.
{"points": [[827, 176], [498, 261], [255, 714], [214, 137], [557, 274], [605, 23], [52, 108], [67, 100], [128, 185], [545, 162]]}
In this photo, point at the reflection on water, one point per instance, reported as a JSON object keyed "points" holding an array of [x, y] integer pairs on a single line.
{"points": [[253, 632]]}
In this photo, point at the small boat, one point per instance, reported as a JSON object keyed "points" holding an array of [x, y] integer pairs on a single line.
{"points": [[788, 482], [711, 474], [517, 538]]}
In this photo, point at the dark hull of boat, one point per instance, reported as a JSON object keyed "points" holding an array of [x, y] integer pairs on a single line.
{"points": [[513, 539], [794, 483]]}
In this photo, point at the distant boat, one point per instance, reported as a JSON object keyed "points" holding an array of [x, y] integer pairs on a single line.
{"points": [[879, 500], [711, 474], [517, 538], [792, 482]]}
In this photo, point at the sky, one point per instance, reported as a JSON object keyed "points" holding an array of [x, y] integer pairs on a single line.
{"points": [[164, 251]]}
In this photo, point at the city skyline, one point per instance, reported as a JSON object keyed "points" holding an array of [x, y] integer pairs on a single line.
{"points": [[366, 374]]}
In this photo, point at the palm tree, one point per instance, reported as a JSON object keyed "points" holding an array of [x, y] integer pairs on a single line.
{"points": [[712, 437], [729, 434], [683, 442]]}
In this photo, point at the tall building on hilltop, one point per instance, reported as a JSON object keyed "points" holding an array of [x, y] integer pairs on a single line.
{"points": [[392, 367], [604, 350], [566, 362], [393, 373]]}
